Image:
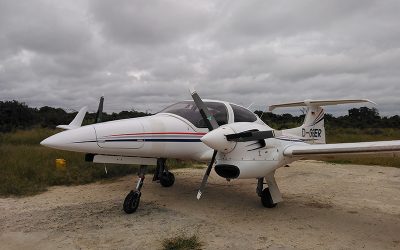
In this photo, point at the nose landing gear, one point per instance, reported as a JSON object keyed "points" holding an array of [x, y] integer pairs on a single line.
{"points": [[166, 179], [132, 200]]}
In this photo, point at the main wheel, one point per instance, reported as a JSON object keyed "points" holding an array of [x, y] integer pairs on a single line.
{"points": [[167, 179], [131, 202], [266, 199]]}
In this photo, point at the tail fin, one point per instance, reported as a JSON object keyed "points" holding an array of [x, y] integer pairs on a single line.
{"points": [[313, 129]]}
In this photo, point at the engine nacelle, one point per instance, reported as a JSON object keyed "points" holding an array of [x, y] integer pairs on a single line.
{"points": [[246, 160], [245, 169]]}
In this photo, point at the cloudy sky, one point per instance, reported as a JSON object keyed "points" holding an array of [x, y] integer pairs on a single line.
{"points": [[144, 54]]}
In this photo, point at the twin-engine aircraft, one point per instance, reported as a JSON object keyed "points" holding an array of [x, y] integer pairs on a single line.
{"points": [[237, 143]]}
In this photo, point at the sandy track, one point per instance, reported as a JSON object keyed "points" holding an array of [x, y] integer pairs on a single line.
{"points": [[326, 207]]}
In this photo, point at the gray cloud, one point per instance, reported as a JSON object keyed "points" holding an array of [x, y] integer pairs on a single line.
{"points": [[149, 23], [145, 54]]}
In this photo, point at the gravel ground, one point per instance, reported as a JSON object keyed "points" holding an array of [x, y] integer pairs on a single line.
{"points": [[325, 206]]}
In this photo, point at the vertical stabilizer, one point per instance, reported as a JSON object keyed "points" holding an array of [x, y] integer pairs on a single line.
{"points": [[313, 129]]}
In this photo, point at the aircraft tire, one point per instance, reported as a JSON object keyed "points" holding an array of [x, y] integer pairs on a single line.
{"points": [[167, 179], [132, 201], [266, 199]]}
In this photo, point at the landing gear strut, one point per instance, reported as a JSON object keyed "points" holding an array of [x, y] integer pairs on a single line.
{"points": [[264, 194], [132, 200], [162, 174], [271, 195]]}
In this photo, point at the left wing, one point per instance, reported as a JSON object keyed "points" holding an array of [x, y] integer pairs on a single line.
{"points": [[77, 122], [318, 151]]}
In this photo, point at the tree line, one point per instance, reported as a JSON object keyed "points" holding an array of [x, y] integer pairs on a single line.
{"points": [[17, 115], [360, 118]]}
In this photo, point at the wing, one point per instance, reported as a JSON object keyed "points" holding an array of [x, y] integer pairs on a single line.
{"points": [[321, 151], [77, 122], [318, 103]]}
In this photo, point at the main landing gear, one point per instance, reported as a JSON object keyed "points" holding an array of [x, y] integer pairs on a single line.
{"points": [[161, 174], [271, 195]]}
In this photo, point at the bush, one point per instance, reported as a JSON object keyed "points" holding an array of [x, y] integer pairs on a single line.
{"points": [[182, 242]]}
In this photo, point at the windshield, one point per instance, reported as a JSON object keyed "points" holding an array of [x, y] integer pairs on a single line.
{"points": [[190, 112]]}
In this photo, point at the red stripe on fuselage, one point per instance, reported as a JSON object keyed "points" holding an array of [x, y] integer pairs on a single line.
{"points": [[163, 133]]}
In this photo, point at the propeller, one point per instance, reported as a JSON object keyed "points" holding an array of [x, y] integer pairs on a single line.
{"points": [[205, 113], [211, 125], [99, 113]]}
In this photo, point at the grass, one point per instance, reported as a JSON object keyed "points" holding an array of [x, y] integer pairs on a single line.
{"points": [[182, 242], [343, 135], [27, 168]]}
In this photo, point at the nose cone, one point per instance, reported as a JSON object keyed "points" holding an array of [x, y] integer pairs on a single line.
{"points": [[216, 139], [50, 141], [80, 140]]}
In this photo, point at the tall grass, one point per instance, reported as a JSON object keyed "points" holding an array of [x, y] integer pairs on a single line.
{"points": [[343, 135], [27, 168]]}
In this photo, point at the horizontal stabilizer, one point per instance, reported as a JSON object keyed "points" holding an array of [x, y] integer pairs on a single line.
{"points": [[77, 121], [343, 149], [308, 103]]}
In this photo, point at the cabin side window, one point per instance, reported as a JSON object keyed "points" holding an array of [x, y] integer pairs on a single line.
{"points": [[243, 115]]}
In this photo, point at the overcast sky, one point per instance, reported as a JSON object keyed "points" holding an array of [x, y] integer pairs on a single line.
{"points": [[144, 54]]}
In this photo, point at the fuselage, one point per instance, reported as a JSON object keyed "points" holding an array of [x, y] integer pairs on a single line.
{"points": [[173, 133]]}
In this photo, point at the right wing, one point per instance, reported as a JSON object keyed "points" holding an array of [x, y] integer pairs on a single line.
{"points": [[308, 103], [318, 151]]}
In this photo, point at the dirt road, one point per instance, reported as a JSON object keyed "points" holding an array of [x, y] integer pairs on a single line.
{"points": [[326, 207]]}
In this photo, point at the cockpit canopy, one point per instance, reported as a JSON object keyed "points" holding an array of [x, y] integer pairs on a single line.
{"points": [[189, 111]]}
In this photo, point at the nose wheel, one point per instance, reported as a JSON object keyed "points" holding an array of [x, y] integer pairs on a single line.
{"points": [[132, 200]]}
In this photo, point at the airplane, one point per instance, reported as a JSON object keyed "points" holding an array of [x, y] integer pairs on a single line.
{"points": [[235, 142]]}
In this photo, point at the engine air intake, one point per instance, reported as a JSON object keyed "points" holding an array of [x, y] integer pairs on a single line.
{"points": [[227, 171]]}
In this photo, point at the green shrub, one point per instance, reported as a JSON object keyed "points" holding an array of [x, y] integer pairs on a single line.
{"points": [[182, 242]]}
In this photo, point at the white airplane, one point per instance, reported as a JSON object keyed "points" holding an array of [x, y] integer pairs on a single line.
{"points": [[231, 137]]}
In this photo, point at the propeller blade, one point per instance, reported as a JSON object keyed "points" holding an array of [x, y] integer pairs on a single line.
{"points": [[99, 113], [211, 125], [252, 135], [205, 113], [205, 177]]}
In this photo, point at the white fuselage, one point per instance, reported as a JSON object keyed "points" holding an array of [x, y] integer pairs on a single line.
{"points": [[163, 135], [167, 135], [160, 136]]}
